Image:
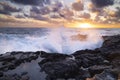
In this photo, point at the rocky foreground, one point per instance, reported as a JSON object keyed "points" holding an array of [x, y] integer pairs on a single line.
{"points": [[99, 64]]}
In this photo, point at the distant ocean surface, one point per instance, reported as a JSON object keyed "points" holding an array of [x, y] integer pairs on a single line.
{"points": [[55, 40]]}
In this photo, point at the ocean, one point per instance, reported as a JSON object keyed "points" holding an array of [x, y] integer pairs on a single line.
{"points": [[53, 40]]}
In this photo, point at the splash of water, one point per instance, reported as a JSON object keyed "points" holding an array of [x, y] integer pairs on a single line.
{"points": [[58, 40]]}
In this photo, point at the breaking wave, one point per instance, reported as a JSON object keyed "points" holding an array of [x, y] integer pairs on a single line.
{"points": [[58, 40]]}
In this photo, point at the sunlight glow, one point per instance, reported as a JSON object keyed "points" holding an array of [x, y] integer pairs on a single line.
{"points": [[85, 25]]}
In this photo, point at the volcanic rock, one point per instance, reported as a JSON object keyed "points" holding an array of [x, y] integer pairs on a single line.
{"points": [[106, 75], [99, 64]]}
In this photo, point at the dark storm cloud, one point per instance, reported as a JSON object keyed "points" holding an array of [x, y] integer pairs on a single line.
{"points": [[56, 7], [66, 13], [7, 8], [46, 10], [35, 9], [117, 14], [40, 10], [95, 9], [55, 16], [32, 2], [77, 6], [36, 16], [102, 3]]}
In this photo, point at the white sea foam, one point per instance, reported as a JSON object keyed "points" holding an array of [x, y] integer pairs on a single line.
{"points": [[57, 40]]}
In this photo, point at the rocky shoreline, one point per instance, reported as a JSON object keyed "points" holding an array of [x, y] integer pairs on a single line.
{"points": [[99, 64]]}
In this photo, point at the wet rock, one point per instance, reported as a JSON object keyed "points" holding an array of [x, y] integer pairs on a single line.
{"points": [[102, 63], [38, 53], [25, 77], [116, 65], [88, 58], [7, 58], [16, 53], [24, 73], [10, 77], [12, 66], [106, 75], [111, 46], [83, 74], [1, 74], [97, 69], [54, 56], [61, 69]]}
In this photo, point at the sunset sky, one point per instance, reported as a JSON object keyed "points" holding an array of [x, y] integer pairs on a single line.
{"points": [[59, 13]]}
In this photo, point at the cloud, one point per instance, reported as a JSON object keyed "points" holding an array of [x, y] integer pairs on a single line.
{"points": [[85, 15], [19, 15], [57, 16], [56, 6], [11, 21], [93, 8], [40, 10], [117, 14], [37, 16], [66, 13], [55, 11], [102, 3], [50, 11], [32, 2], [77, 6], [7, 8]]}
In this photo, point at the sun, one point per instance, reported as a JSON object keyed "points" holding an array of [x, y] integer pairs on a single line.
{"points": [[85, 25]]}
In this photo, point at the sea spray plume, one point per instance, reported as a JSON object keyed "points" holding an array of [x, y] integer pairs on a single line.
{"points": [[63, 43], [58, 40]]}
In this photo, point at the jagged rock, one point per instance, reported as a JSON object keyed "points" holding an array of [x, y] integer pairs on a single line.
{"points": [[24, 73], [54, 56], [10, 77], [111, 46], [97, 69], [7, 58], [78, 66], [25, 77], [1, 74], [61, 69], [88, 58], [106, 75]]}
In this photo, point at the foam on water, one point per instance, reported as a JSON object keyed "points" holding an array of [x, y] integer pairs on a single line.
{"points": [[57, 40]]}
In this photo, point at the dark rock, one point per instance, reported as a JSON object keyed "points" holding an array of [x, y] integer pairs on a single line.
{"points": [[24, 73], [12, 66], [10, 77], [97, 69], [25, 78], [16, 53], [54, 56], [1, 74], [38, 52], [83, 74], [102, 63], [88, 58], [61, 69], [111, 46], [7, 58], [106, 75]]}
